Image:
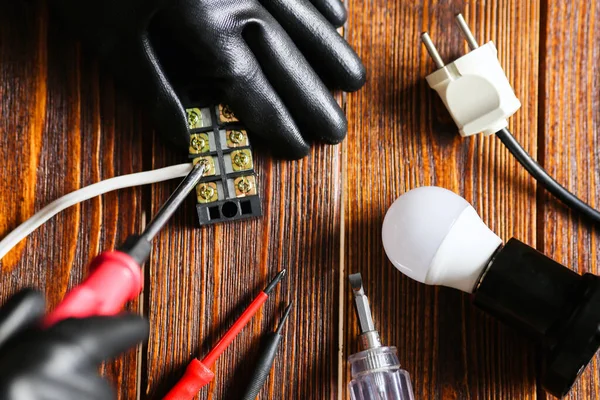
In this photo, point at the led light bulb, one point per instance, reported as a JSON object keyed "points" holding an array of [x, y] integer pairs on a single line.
{"points": [[436, 237]]}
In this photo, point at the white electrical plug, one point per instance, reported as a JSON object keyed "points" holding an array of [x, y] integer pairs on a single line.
{"points": [[474, 88]]}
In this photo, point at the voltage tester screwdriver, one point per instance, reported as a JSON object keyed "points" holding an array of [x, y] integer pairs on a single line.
{"points": [[376, 372], [116, 276]]}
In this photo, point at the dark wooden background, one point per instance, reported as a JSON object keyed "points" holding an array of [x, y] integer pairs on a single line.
{"points": [[63, 125]]}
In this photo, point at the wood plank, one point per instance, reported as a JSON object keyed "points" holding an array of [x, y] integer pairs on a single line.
{"points": [[200, 279], [569, 125], [61, 128], [400, 138], [51, 100]]}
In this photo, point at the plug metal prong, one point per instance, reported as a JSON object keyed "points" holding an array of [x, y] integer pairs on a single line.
{"points": [[462, 24], [437, 59]]}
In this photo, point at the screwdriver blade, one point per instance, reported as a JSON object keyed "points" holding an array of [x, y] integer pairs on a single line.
{"points": [[174, 201], [361, 302]]}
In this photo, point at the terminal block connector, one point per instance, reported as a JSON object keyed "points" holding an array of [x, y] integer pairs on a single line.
{"points": [[228, 191]]}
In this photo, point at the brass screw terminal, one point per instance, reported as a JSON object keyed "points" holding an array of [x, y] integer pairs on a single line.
{"points": [[209, 164], [236, 138], [225, 114], [199, 143], [241, 160], [207, 192], [245, 186], [194, 118]]}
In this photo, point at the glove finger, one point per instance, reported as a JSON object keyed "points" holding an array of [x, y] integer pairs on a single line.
{"points": [[254, 101], [333, 10], [97, 339], [20, 312], [238, 77], [172, 48], [312, 106], [328, 53], [141, 70]]}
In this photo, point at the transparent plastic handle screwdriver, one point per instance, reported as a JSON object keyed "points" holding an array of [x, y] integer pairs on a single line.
{"points": [[376, 372], [376, 375]]}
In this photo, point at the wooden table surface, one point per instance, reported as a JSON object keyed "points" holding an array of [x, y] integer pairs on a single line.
{"points": [[64, 125]]}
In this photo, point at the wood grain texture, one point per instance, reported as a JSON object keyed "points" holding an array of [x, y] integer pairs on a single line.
{"points": [[569, 121], [400, 138], [201, 279], [61, 127]]}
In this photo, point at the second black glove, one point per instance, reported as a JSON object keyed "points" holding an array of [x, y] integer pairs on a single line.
{"points": [[60, 362]]}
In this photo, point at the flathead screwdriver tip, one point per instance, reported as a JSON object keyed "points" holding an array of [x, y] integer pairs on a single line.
{"points": [[286, 314], [275, 281], [356, 282], [174, 201], [361, 303]]}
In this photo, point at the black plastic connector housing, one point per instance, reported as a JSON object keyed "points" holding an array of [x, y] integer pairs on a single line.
{"points": [[229, 210], [535, 294], [215, 122]]}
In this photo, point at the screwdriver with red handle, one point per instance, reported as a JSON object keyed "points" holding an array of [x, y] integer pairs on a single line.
{"points": [[198, 373], [116, 276]]}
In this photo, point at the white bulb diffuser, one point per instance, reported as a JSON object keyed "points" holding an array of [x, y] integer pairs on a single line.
{"points": [[434, 236]]}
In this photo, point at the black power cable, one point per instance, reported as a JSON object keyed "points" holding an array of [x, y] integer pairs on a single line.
{"points": [[540, 175]]}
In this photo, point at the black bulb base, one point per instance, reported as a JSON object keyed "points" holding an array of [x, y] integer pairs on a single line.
{"points": [[577, 344], [536, 295]]}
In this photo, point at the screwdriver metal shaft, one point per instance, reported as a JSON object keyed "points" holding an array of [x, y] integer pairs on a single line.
{"points": [[361, 302], [369, 336], [171, 205]]}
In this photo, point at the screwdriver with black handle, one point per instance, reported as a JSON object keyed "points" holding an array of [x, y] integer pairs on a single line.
{"points": [[265, 359]]}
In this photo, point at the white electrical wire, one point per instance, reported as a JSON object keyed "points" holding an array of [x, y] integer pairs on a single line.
{"points": [[86, 193]]}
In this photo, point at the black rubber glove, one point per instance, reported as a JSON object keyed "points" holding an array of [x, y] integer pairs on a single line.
{"points": [[267, 59], [61, 362]]}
